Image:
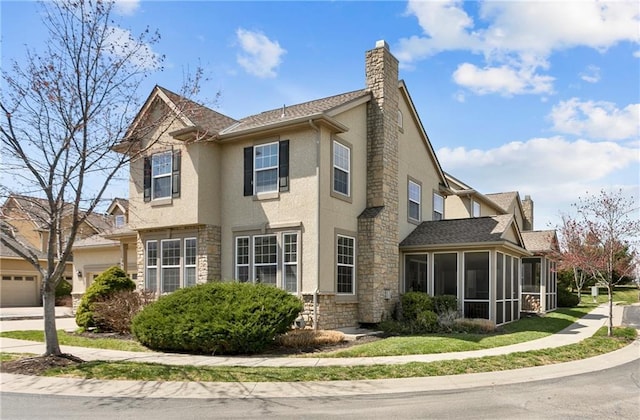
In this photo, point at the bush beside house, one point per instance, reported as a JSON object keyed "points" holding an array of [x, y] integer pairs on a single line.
{"points": [[217, 318], [105, 285]]}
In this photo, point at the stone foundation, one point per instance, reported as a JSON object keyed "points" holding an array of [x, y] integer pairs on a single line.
{"points": [[331, 313]]}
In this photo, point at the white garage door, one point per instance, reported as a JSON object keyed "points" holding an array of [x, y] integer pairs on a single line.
{"points": [[19, 291]]}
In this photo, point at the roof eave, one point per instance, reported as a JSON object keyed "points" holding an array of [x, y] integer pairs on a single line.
{"points": [[320, 118]]}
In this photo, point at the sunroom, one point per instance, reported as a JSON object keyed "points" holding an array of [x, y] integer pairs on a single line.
{"points": [[539, 272], [477, 260]]}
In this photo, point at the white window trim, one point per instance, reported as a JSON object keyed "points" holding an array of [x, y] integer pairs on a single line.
{"points": [[336, 146], [353, 265], [148, 266], [270, 168], [193, 266], [286, 263], [256, 265], [162, 266], [164, 175], [248, 264], [119, 220], [475, 204], [410, 200], [435, 194]]}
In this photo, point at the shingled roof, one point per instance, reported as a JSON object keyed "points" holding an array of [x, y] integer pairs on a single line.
{"points": [[11, 235], [294, 112], [200, 115], [460, 231], [503, 199], [540, 241]]}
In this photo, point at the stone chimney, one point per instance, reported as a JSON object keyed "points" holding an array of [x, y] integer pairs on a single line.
{"points": [[378, 236], [527, 209]]}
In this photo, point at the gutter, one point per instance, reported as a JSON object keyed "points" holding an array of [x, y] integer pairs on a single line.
{"points": [[317, 289]]}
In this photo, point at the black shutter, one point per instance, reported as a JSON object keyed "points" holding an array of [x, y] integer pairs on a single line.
{"points": [[147, 179], [248, 171], [284, 165], [175, 175]]}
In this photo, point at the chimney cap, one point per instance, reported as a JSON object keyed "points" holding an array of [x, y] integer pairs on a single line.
{"points": [[382, 44]]}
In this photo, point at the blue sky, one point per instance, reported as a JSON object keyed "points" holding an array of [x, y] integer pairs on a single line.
{"points": [[538, 97]]}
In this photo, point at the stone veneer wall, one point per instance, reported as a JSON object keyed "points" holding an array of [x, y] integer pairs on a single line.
{"points": [[527, 209], [331, 314], [378, 228]]}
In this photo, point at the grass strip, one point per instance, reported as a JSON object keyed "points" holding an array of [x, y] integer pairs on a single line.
{"points": [[70, 339], [593, 346]]}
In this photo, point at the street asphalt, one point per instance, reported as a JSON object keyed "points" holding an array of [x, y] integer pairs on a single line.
{"points": [[581, 329]]}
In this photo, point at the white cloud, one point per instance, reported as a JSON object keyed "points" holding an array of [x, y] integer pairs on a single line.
{"points": [[518, 33], [554, 171], [591, 74], [260, 56], [504, 80], [127, 7], [636, 54], [123, 44], [596, 120]]}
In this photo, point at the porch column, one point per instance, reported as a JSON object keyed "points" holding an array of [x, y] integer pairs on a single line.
{"points": [[124, 263]]}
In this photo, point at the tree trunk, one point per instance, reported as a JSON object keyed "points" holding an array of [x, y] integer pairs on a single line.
{"points": [[610, 325], [50, 332]]}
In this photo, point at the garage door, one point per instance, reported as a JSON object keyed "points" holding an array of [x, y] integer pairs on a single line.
{"points": [[19, 291]]}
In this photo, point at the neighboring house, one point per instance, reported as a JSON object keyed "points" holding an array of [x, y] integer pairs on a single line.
{"points": [[114, 246], [20, 282], [340, 201], [24, 224]]}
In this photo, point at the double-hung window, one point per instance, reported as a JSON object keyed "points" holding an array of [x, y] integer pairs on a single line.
{"points": [[170, 264], [475, 208], [415, 200], [269, 259], [266, 167], [162, 175], [438, 207], [265, 258], [345, 264], [242, 258], [151, 277], [290, 262], [170, 272], [341, 169], [190, 253]]}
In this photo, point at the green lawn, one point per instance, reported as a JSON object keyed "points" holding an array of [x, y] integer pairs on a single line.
{"points": [[526, 329], [593, 346]]}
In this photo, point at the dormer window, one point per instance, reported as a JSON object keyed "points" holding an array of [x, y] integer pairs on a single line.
{"points": [[119, 221]]}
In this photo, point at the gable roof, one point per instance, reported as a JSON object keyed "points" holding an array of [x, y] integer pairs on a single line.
{"points": [[540, 241], [12, 236], [503, 199], [325, 106], [36, 210], [492, 230]]}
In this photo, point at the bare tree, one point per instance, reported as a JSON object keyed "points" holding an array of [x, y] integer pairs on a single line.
{"points": [[62, 114], [609, 227]]}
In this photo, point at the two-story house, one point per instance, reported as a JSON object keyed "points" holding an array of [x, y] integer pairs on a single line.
{"points": [[24, 224], [340, 201]]}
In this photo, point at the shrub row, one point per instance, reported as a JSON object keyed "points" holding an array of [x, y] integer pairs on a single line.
{"points": [[217, 318]]}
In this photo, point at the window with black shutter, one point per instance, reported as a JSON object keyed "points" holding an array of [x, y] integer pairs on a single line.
{"points": [[260, 165]]}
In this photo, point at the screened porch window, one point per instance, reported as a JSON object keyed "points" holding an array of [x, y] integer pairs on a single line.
{"points": [[415, 273], [445, 274], [476, 285]]}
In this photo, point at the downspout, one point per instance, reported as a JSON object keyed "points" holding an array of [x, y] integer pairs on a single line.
{"points": [[317, 289]]}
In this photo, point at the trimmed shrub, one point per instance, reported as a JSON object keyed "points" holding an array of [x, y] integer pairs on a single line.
{"points": [[217, 318], [115, 312], [106, 284], [414, 304], [566, 299], [63, 293], [444, 304]]}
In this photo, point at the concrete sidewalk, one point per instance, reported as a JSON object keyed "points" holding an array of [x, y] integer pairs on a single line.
{"points": [[583, 328], [34, 312]]}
